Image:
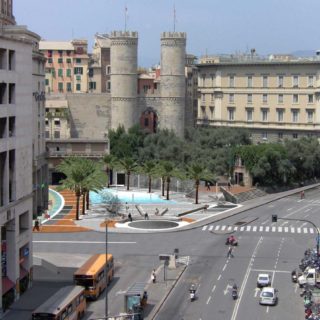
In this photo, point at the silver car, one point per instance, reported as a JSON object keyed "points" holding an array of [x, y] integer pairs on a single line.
{"points": [[263, 280], [268, 296]]}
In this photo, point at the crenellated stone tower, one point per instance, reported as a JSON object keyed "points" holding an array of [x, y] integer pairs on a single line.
{"points": [[172, 81], [124, 53]]}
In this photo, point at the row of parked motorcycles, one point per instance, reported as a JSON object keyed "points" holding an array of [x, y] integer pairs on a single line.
{"points": [[311, 306]]}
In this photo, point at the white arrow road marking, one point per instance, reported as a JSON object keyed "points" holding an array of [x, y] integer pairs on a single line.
{"points": [[121, 292], [256, 291], [226, 290]]}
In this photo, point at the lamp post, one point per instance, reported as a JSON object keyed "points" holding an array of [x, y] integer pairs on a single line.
{"points": [[275, 218], [106, 271]]}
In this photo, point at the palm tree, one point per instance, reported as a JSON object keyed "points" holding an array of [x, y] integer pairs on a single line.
{"points": [[169, 171], [149, 169], [198, 172], [129, 165], [109, 161]]}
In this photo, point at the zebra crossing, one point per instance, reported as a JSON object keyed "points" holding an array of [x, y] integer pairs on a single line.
{"points": [[250, 228]]}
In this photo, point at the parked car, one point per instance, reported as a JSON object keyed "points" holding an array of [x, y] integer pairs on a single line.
{"points": [[268, 296], [263, 280]]}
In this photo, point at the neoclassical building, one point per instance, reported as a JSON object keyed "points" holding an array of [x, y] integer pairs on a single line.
{"points": [[275, 97]]}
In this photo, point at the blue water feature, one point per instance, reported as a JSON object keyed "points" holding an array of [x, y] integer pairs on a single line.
{"points": [[56, 203], [113, 196]]}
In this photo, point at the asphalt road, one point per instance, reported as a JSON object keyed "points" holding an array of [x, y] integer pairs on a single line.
{"points": [[275, 248]]}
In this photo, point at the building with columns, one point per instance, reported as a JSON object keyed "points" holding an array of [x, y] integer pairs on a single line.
{"points": [[275, 97], [23, 177]]}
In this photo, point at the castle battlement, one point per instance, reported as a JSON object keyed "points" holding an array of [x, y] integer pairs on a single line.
{"points": [[171, 35], [124, 34]]}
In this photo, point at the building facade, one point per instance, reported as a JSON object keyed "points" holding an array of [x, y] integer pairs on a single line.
{"points": [[22, 155], [275, 97]]}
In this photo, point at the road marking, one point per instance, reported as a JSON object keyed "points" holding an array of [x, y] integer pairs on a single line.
{"points": [[208, 300], [261, 228], [256, 290], [204, 228], [267, 229], [286, 229], [264, 222], [217, 228], [242, 228], [219, 277], [214, 288], [236, 307], [292, 230], [210, 228], [279, 229], [235, 228], [84, 242], [248, 228], [273, 229], [254, 229], [311, 230], [305, 230], [224, 267], [270, 271], [223, 227], [289, 209], [226, 290], [299, 230]]}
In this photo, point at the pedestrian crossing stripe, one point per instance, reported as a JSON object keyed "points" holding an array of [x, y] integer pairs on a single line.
{"points": [[229, 229]]}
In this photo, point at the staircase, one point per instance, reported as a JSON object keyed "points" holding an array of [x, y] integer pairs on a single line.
{"points": [[248, 195]]}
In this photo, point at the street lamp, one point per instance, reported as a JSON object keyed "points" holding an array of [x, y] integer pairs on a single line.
{"points": [[275, 219]]}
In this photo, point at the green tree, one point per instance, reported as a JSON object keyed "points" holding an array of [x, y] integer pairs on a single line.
{"points": [[198, 172], [149, 169], [170, 171], [110, 161]]}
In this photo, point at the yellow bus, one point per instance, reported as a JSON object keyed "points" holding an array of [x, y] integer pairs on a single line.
{"points": [[67, 303], [92, 274]]}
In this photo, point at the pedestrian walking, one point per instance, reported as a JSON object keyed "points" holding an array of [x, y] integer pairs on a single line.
{"points": [[230, 255], [302, 194], [130, 217], [156, 212], [208, 186], [146, 216], [36, 226], [153, 276]]}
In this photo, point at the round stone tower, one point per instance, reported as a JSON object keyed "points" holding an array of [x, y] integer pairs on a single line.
{"points": [[123, 56], [172, 83]]}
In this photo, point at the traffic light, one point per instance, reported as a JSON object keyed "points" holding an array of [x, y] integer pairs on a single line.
{"points": [[274, 218]]}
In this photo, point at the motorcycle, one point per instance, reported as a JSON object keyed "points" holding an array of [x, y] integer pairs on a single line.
{"points": [[234, 294], [192, 292], [231, 241], [294, 276]]}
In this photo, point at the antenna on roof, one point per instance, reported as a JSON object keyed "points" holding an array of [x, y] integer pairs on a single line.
{"points": [[174, 18], [125, 17]]}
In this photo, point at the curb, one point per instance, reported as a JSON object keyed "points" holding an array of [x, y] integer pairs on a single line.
{"points": [[163, 300]]}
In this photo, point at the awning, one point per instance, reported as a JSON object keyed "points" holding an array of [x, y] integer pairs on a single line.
{"points": [[7, 284], [23, 272]]}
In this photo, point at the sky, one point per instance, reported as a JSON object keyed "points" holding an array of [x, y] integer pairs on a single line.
{"points": [[212, 26]]}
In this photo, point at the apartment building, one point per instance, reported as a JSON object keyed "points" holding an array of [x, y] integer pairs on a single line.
{"points": [[275, 97], [66, 67], [22, 156]]}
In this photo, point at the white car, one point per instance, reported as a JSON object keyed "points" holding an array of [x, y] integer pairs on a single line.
{"points": [[263, 280], [268, 296]]}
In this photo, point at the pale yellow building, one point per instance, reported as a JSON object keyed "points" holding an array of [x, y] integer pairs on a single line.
{"points": [[275, 97]]}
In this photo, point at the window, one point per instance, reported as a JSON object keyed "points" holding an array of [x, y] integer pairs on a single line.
{"points": [[47, 122], [50, 53], [78, 78], [212, 79], [47, 135], [203, 98], [109, 85], [68, 60], [295, 116], [78, 70], [265, 98], [92, 85], [212, 97], [295, 98], [309, 116], [280, 135], [12, 93], [295, 81], [203, 80], [108, 69], [57, 123], [231, 114], [60, 60], [69, 86], [249, 115], [295, 136], [60, 86], [249, 98], [47, 82], [280, 81], [265, 81], [211, 112], [231, 98], [78, 60], [280, 98], [310, 81], [90, 72], [78, 86], [280, 115], [60, 53], [249, 81], [60, 72], [264, 115], [310, 98], [231, 81], [68, 72], [56, 134], [264, 135], [49, 60]]}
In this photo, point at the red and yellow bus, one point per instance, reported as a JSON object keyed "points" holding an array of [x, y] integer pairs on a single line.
{"points": [[67, 303], [95, 274]]}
